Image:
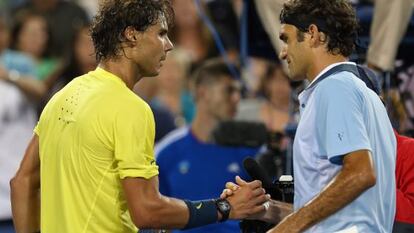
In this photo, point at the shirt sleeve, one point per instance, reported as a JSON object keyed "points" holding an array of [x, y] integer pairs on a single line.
{"points": [[36, 129], [134, 133], [341, 128]]}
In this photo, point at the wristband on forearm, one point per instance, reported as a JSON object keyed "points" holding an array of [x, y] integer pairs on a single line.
{"points": [[201, 213]]}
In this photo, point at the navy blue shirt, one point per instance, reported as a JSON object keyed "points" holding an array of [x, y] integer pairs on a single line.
{"points": [[190, 169]]}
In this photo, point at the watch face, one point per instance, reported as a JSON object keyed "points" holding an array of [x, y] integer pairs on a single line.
{"points": [[224, 206]]}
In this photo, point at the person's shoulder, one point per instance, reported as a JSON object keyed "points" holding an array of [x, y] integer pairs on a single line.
{"points": [[129, 105], [405, 144], [171, 139], [343, 82], [121, 96], [343, 77]]}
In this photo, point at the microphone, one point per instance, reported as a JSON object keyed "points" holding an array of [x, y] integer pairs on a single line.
{"points": [[256, 172], [280, 190]]}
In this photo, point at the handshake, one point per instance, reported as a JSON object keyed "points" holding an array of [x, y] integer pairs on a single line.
{"points": [[249, 200]]}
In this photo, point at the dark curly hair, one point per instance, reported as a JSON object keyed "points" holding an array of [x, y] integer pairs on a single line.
{"points": [[336, 18], [115, 16]]}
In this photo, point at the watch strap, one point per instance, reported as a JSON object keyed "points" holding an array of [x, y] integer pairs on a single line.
{"points": [[224, 207]]}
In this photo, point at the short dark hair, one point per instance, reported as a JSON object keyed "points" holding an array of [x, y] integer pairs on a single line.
{"points": [[210, 72], [115, 16], [336, 18]]}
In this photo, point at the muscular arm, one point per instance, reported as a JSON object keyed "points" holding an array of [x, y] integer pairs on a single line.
{"points": [[356, 176], [150, 209], [25, 191]]}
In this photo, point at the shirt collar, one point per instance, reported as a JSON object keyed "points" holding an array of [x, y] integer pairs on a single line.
{"points": [[328, 68], [100, 72]]}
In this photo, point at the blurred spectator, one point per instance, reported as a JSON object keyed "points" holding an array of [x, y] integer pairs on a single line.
{"points": [[173, 92], [388, 27], [250, 106], [276, 89], [91, 6], [404, 174], [64, 17], [80, 60], [224, 16], [188, 158], [190, 33], [168, 95], [31, 36], [19, 89], [406, 90], [147, 89], [396, 111], [269, 12]]}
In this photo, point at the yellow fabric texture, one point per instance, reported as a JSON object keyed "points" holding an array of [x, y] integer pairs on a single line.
{"points": [[92, 134]]}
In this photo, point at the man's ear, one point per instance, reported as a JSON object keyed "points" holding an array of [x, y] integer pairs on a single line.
{"points": [[317, 37], [130, 34]]}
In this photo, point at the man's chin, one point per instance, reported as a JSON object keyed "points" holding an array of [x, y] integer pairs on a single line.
{"points": [[296, 77], [152, 74]]}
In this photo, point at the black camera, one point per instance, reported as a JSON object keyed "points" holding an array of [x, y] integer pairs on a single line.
{"points": [[267, 166]]}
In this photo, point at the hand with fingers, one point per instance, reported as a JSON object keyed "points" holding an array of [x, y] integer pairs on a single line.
{"points": [[275, 211], [229, 189], [246, 198]]}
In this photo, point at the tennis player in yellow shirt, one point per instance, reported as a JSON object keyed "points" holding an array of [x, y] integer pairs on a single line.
{"points": [[90, 164]]}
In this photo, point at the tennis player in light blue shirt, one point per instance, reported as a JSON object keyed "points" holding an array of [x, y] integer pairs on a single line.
{"points": [[340, 115], [344, 148]]}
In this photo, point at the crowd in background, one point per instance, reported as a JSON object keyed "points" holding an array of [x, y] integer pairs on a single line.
{"points": [[44, 44]]}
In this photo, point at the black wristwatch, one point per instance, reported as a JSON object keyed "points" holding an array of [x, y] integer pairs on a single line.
{"points": [[224, 207]]}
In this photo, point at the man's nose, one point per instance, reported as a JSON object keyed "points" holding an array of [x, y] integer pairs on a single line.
{"points": [[169, 45], [283, 54]]}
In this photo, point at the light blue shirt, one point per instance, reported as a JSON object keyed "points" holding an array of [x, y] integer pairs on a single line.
{"points": [[340, 115], [13, 60]]}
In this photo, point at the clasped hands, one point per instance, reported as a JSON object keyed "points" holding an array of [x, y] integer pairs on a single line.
{"points": [[250, 201]]}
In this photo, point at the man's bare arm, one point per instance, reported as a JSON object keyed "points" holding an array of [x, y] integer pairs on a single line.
{"points": [[25, 191], [150, 209], [356, 176]]}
